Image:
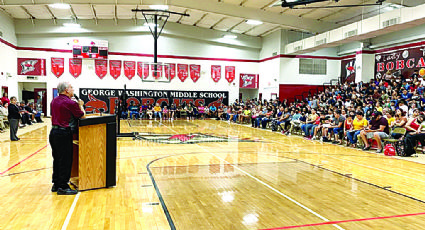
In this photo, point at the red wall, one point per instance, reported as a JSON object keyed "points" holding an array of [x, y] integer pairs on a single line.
{"points": [[288, 91]]}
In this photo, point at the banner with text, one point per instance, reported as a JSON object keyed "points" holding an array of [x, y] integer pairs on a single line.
{"points": [[106, 100], [400, 63]]}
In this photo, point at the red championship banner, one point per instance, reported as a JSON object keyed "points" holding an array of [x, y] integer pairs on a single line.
{"points": [[195, 72], [58, 66], [230, 73], [140, 69], [216, 72], [115, 68], [170, 71], [182, 71], [101, 67], [145, 70], [75, 66], [32, 66], [248, 81], [129, 69]]}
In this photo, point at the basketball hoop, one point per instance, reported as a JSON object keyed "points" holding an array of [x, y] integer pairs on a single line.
{"points": [[153, 17], [156, 72]]}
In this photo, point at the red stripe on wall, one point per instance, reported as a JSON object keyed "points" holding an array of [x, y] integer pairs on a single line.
{"points": [[8, 43]]}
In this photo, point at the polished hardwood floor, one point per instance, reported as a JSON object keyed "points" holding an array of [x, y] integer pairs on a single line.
{"points": [[208, 174]]}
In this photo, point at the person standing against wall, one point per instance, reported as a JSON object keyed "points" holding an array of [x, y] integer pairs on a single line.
{"points": [[14, 116], [63, 110]]}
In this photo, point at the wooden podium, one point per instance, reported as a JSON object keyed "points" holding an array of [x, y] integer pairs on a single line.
{"points": [[95, 152]]}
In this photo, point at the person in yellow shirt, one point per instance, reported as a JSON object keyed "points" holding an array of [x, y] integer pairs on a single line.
{"points": [[390, 118], [157, 111], [359, 123]]}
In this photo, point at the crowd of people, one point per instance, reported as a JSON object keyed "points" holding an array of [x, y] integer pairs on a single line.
{"points": [[356, 113], [14, 114]]}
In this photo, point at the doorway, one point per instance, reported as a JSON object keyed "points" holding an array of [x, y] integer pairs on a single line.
{"points": [[34, 92], [40, 99]]}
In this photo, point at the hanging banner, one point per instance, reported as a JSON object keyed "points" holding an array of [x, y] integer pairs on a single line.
{"points": [[195, 72], [140, 69], [216, 72], [348, 70], [129, 69], [58, 66], [248, 81], [145, 70], [75, 66], [101, 67], [32, 66], [230, 74], [400, 63], [182, 71], [106, 100], [170, 71], [115, 68]]}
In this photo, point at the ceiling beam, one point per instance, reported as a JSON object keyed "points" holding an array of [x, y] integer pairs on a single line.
{"points": [[257, 14], [250, 29], [29, 14], [216, 7], [341, 10], [51, 14], [269, 31], [243, 2], [73, 13], [203, 16], [115, 15], [218, 22], [268, 4], [181, 16], [93, 11], [235, 25]]}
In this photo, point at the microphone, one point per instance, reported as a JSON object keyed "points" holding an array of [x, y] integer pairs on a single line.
{"points": [[76, 97]]}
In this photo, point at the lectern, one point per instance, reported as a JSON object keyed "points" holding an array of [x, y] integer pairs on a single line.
{"points": [[95, 152]]}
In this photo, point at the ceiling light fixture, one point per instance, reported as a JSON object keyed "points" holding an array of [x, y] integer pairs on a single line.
{"points": [[253, 22], [159, 7], [62, 6], [72, 24], [230, 36]]}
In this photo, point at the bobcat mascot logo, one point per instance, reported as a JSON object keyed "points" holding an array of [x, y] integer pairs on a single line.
{"points": [[28, 66], [247, 80], [95, 105], [217, 103]]}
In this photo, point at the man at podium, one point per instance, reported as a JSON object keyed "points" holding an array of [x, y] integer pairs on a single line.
{"points": [[60, 138]]}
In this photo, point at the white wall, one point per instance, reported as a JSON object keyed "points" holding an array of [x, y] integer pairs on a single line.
{"points": [[289, 72], [7, 28], [271, 44], [7, 64]]}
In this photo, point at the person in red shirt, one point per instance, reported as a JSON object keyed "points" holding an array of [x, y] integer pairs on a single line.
{"points": [[63, 110]]}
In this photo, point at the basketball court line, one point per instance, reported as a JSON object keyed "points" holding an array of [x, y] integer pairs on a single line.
{"points": [[26, 158], [29, 171], [346, 221], [70, 212], [268, 186]]}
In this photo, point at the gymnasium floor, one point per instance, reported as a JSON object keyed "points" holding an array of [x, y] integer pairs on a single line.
{"points": [[222, 176]]}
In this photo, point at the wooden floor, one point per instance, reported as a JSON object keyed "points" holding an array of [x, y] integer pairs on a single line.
{"points": [[232, 177]]}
